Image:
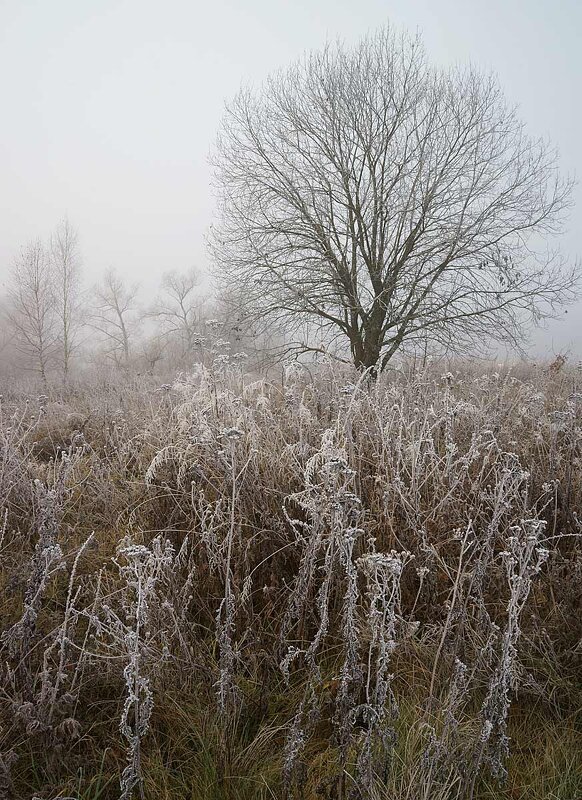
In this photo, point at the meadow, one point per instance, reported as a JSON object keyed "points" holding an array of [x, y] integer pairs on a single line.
{"points": [[311, 585]]}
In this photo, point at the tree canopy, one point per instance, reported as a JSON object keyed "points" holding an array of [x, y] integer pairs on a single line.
{"points": [[387, 201]]}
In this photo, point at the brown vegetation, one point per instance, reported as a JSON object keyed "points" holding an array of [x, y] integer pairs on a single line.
{"points": [[307, 587]]}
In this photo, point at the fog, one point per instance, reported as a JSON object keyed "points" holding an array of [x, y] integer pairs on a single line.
{"points": [[110, 109], [312, 535]]}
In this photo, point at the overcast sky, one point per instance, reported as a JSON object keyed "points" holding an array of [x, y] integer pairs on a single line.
{"points": [[109, 108]]}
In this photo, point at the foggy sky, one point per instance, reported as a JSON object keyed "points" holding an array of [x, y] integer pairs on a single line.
{"points": [[109, 108]]}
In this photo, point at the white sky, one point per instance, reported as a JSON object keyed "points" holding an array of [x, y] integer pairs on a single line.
{"points": [[109, 108]]}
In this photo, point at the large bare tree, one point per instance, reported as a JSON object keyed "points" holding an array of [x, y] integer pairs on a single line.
{"points": [[31, 309], [388, 202], [66, 265]]}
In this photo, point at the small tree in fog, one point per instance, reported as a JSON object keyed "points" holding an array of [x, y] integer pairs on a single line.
{"points": [[31, 309], [388, 202], [114, 316], [178, 311], [66, 265]]}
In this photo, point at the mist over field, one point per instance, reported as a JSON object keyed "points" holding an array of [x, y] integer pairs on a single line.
{"points": [[290, 401], [109, 114]]}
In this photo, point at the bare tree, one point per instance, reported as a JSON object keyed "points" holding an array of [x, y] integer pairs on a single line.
{"points": [[66, 265], [31, 309], [178, 311], [151, 353], [387, 201], [115, 316]]}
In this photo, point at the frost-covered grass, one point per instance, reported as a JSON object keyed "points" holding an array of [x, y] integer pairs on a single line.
{"points": [[308, 587]]}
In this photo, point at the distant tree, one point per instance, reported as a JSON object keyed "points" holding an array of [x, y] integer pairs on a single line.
{"points": [[31, 309], [388, 202], [66, 266], [6, 334], [178, 311], [115, 316], [151, 353]]}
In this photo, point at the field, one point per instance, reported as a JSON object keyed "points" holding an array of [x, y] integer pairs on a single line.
{"points": [[307, 586]]}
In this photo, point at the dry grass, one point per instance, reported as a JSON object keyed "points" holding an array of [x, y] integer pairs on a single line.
{"points": [[306, 587]]}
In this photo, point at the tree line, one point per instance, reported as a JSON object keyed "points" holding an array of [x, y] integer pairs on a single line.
{"points": [[54, 327]]}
